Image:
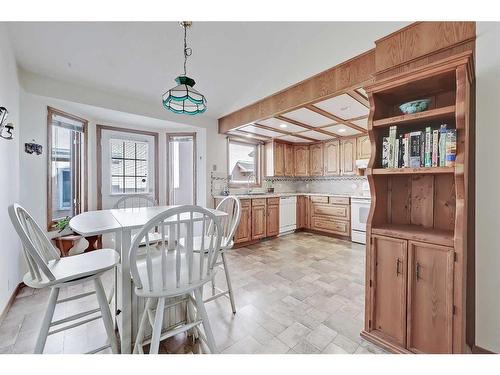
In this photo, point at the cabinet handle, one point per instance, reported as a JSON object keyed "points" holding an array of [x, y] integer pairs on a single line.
{"points": [[417, 271], [398, 262]]}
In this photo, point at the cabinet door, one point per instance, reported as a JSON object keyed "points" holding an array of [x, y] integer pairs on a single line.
{"points": [[363, 147], [430, 298], [388, 280], [301, 212], [259, 222], [348, 156], [244, 231], [279, 159], [331, 158], [301, 161], [289, 160], [273, 220], [316, 159]]}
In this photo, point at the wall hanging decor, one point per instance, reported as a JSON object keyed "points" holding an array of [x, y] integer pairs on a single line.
{"points": [[5, 128], [183, 98], [33, 148]]}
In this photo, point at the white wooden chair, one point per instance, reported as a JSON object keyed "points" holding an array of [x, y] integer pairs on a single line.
{"points": [[232, 206], [160, 275], [135, 201], [48, 270]]}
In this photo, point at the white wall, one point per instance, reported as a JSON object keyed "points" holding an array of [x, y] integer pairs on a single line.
{"points": [[487, 186], [10, 255], [33, 168]]}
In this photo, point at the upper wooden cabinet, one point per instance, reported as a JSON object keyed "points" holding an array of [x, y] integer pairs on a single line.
{"points": [[363, 147], [348, 156], [289, 160], [301, 160], [388, 278], [331, 158], [316, 159], [275, 159], [430, 298]]}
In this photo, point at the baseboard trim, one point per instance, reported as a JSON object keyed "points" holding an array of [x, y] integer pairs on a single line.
{"points": [[479, 350], [11, 301]]}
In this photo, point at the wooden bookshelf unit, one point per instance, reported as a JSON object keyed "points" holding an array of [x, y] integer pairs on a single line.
{"points": [[418, 227]]}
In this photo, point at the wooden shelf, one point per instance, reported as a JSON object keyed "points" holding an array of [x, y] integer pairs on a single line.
{"points": [[431, 170], [431, 114], [416, 233]]}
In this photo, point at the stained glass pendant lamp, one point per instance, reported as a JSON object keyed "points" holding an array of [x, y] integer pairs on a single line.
{"points": [[183, 98]]}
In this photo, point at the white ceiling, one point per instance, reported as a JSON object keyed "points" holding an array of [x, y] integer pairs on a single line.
{"points": [[233, 63]]}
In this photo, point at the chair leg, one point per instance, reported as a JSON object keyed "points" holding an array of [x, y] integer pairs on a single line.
{"points": [[200, 306], [228, 281], [106, 314], [47, 319], [155, 339], [142, 327]]}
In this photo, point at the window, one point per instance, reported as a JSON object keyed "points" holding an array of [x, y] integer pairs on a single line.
{"points": [[67, 194], [244, 163], [129, 166]]}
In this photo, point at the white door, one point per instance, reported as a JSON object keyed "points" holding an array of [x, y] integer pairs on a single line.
{"points": [[181, 176], [127, 165]]}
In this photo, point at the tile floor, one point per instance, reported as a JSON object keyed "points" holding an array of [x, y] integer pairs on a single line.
{"points": [[300, 293]]}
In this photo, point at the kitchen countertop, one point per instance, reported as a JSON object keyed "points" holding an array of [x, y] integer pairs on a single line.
{"points": [[291, 194]]}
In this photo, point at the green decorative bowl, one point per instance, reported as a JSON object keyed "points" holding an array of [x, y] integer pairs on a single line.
{"points": [[415, 106]]}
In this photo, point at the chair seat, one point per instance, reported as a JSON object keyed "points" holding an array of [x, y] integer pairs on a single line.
{"points": [[206, 244], [76, 267], [170, 288]]}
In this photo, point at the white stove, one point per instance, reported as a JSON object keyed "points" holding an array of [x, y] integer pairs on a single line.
{"points": [[360, 208]]}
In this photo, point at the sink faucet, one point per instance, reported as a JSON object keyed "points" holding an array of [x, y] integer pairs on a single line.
{"points": [[248, 182]]}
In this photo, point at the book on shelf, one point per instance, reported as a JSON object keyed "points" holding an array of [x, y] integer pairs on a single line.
{"points": [[451, 147], [435, 148], [423, 148], [442, 145], [385, 152]]}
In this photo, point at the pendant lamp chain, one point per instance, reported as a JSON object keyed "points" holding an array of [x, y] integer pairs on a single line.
{"points": [[187, 50]]}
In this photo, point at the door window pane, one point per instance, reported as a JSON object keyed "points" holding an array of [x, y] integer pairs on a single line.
{"points": [[129, 166], [181, 169]]}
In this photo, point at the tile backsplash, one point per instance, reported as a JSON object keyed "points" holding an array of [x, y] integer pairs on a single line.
{"points": [[357, 185]]}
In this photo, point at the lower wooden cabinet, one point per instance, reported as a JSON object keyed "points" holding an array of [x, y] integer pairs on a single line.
{"points": [[273, 217], [303, 212], [259, 215], [430, 298], [411, 295], [330, 215], [388, 283], [244, 231]]}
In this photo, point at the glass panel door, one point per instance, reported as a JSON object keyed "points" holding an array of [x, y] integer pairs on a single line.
{"points": [[181, 154]]}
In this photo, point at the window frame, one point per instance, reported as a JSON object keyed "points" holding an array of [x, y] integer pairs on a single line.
{"points": [[259, 161], [147, 160], [81, 177]]}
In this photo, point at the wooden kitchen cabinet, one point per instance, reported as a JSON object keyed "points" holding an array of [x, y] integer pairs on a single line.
{"points": [[301, 160], [331, 158], [316, 159], [348, 156], [302, 212], [273, 217], [275, 159], [388, 287], [289, 160], [244, 231], [259, 215], [363, 147], [430, 298]]}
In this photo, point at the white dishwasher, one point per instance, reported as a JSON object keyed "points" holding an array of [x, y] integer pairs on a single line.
{"points": [[288, 214]]}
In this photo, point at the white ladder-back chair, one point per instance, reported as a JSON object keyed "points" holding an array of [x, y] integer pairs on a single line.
{"points": [[135, 201], [232, 206], [160, 274], [48, 270]]}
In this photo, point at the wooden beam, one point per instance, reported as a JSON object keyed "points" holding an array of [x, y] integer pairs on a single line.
{"points": [[284, 132], [309, 127], [252, 135], [358, 97], [335, 118], [346, 76]]}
